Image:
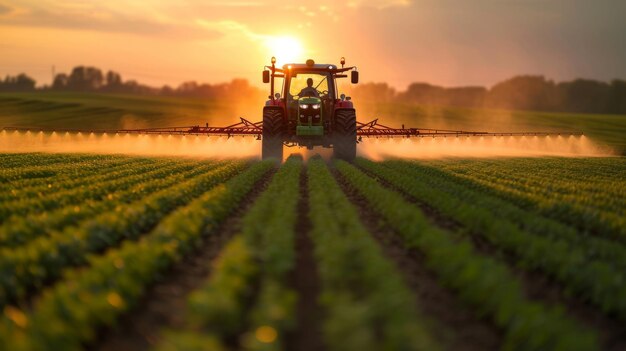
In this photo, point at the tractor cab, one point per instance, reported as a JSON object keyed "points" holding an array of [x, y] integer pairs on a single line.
{"points": [[308, 112], [307, 105]]}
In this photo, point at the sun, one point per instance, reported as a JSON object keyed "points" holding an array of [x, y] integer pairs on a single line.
{"points": [[286, 49]]}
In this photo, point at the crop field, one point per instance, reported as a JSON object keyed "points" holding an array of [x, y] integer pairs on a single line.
{"points": [[111, 252]]}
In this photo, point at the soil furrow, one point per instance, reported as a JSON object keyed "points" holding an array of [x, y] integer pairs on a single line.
{"points": [[164, 303], [537, 285], [305, 281], [453, 324]]}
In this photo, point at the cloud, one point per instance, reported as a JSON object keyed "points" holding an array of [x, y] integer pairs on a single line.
{"points": [[4, 9], [101, 19], [378, 4]]}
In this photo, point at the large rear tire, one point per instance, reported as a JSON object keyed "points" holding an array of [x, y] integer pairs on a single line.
{"points": [[344, 147], [273, 133]]}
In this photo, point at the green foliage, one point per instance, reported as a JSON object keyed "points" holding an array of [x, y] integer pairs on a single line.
{"points": [[246, 298], [587, 193], [18, 230], [44, 258], [526, 194], [218, 307], [368, 307], [67, 274], [269, 228], [483, 282], [26, 204], [68, 313], [565, 260]]}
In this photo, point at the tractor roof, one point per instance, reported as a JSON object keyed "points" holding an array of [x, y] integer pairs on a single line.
{"points": [[303, 67], [317, 66]]}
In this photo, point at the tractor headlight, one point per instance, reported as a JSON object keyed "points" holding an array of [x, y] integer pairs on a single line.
{"points": [[304, 106], [316, 106]]}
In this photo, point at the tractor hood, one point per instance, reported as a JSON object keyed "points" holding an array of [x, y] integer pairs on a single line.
{"points": [[309, 100]]}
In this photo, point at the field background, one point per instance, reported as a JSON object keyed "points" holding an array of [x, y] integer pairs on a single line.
{"points": [[104, 111]]}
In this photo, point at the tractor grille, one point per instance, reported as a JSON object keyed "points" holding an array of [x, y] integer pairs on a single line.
{"points": [[315, 118]]}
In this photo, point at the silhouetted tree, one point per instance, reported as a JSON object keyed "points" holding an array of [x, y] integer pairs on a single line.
{"points": [[113, 81], [524, 93], [466, 96], [521, 92], [616, 102], [60, 81], [85, 79], [21, 82], [584, 95], [373, 92], [423, 93]]}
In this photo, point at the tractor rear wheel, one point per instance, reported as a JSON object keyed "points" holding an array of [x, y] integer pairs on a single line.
{"points": [[344, 147], [273, 133]]}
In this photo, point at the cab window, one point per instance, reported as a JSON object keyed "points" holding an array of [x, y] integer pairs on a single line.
{"points": [[298, 82]]}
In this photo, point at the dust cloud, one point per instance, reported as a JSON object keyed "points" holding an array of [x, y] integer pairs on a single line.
{"points": [[133, 144], [487, 146]]}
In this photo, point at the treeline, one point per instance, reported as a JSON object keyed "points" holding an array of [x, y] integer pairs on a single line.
{"points": [[519, 93], [91, 79], [21, 82]]}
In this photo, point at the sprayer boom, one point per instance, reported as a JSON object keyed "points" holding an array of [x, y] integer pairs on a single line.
{"points": [[374, 129], [247, 128]]}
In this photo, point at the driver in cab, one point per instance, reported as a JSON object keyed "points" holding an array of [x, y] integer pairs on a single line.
{"points": [[309, 90]]}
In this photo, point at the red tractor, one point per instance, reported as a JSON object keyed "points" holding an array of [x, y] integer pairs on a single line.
{"points": [[309, 112]]}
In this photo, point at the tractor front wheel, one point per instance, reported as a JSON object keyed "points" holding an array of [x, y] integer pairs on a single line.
{"points": [[344, 147], [273, 133]]}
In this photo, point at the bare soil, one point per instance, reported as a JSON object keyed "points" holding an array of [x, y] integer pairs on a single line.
{"points": [[305, 280]]}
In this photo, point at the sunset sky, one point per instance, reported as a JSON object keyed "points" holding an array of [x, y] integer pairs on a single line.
{"points": [[446, 42]]}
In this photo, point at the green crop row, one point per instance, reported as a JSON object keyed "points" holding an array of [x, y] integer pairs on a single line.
{"points": [[18, 230], [69, 171], [566, 192], [481, 281], [593, 248], [593, 192], [599, 209], [81, 178], [599, 169], [43, 259], [19, 160], [596, 281], [33, 171], [69, 314], [269, 230], [245, 301], [366, 304], [589, 182], [30, 160], [73, 196]]}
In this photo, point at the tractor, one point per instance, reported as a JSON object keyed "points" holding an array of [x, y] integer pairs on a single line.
{"points": [[308, 111]]}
